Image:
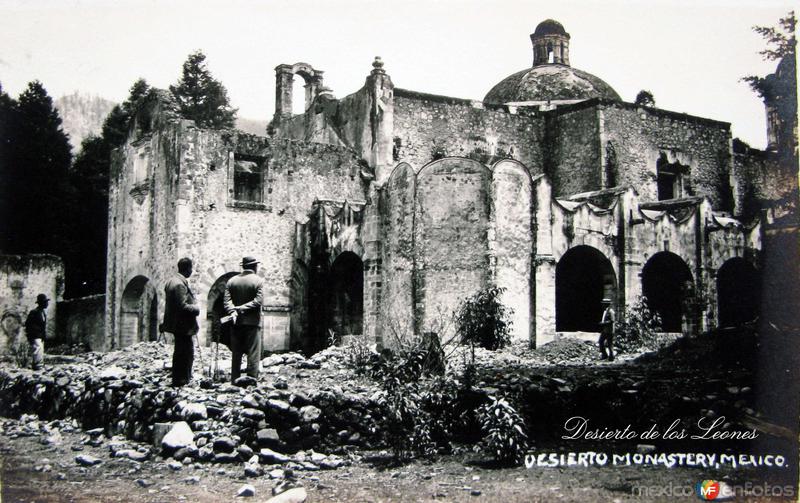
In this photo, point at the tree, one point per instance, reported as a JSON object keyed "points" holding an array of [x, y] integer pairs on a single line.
{"points": [[645, 98], [781, 44], [37, 160], [202, 98], [89, 179]]}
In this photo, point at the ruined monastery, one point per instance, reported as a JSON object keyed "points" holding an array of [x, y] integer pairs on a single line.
{"points": [[376, 213]]}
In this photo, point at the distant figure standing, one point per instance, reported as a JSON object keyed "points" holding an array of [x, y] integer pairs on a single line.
{"points": [[607, 331], [180, 319], [244, 295], [35, 329]]}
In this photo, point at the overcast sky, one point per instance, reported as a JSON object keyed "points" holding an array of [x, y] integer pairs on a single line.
{"points": [[689, 54]]}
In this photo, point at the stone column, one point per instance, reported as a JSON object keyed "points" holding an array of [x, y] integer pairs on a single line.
{"points": [[284, 79], [378, 151]]}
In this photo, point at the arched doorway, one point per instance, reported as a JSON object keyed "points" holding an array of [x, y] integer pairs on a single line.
{"points": [[346, 295], [138, 312], [583, 277], [215, 310], [666, 283], [738, 292]]}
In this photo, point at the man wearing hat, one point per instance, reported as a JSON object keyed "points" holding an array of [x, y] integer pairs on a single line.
{"points": [[244, 295], [35, 327], [180, 319], [607, 331]]}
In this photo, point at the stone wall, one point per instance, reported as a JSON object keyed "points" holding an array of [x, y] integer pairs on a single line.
{"points": [[451, 215], [640, 134], [760, 179], [428, 127], [573, 152], [82, 321], [22, 278], [172, 196]]}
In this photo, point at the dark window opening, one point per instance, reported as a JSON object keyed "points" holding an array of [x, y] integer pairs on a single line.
{"points": [[669, 178], [248, 180], [667, 284], [738, 292]]}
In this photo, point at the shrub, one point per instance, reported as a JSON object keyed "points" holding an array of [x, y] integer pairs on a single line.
{"points": [[504, 431], [638, 328], [20, 352], [483, 320]]}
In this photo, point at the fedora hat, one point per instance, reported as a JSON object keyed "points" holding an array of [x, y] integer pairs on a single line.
{"points": [[41, 298], [249, 261]]}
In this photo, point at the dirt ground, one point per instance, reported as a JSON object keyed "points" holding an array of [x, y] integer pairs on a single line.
{"points": [[35, 471]]}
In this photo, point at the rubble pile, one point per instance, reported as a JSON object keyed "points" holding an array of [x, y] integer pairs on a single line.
{"points": [[282, 418]]}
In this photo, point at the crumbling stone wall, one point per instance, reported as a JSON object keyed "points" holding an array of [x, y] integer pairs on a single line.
{"points": [[760, 179], [451, 224], [573, 151], [640, 134], [428, 127], [172, 195], [82, 321], [22, 278]]}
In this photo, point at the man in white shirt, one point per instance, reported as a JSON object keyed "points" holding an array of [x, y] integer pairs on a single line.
{"points": [[607, 331]]}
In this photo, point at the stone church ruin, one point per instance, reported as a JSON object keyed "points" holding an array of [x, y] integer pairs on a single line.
{"points": [[391, 204]]}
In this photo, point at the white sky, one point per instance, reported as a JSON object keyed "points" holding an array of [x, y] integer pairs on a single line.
{"points": [[689, 54]]}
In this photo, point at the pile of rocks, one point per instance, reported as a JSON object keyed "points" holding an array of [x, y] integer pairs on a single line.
{"points": [[287, 417]]}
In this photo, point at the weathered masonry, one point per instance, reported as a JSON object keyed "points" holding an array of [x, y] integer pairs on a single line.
{"points": [[376, 213]]}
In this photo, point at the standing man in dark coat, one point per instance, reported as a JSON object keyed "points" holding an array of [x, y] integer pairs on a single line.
{"points": [[244, 295], [35, 329], [607, 323], [180, 319]]}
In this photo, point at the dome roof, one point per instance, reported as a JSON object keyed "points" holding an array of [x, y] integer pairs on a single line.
{"points": [[550, 27], [550, 82]]}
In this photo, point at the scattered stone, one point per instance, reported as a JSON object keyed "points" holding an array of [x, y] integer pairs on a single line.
{"points": [[194, 479], [245, 382], [475, 492], [270, 457], [175, 465], [268, 437], [246, 491], [294, 495], [309, 413], [224, 444], [87, 460], [226, 457], [194, 412], [254, 414], [179, 436], [143, 483], [111, 373], [245, 452]]}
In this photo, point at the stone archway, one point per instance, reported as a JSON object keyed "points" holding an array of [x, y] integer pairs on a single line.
{"points": [[215, 310], [738, 292], [346, 295], [583, 277], [138, 312], [666, 283]]}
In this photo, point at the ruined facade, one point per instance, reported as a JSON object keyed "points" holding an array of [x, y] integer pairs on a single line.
{"points": [[22, 278], [378, 212]]}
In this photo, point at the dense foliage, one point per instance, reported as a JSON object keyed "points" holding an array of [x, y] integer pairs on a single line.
{"points": [[202, 98]]}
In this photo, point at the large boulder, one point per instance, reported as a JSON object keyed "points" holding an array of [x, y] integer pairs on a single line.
{"points": [[179, 436]]}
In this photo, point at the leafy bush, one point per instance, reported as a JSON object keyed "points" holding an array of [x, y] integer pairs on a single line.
{"points": [[483, 320], [638, 328], [504, 430], [20, 352]]}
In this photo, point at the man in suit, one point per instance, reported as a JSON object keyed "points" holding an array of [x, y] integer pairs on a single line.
{"points": [[35, 329], [607, 331], [180, 319], [244, 295]]}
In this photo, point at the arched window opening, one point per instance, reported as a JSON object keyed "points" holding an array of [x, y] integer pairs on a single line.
{"points": [[667, 284], [583, 277]]}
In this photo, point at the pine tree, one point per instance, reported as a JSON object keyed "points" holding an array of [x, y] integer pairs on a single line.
{"points": [[90, 178], [38, 160], [202, 98]]}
